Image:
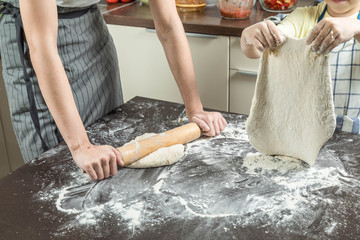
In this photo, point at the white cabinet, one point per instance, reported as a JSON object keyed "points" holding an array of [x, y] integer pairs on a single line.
{"points": [[225, 76], [242, 86], [145, 72], [243, 72], [238, 60]]}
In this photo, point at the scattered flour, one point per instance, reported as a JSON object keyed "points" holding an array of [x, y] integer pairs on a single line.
{"points": [[233, 183], [255, 163]]}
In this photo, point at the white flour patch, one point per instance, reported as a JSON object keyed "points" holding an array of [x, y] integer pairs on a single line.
{"points": [[157, 186], [133, 213], [296, 196], [236, 131], [90, 216], [60, 199], [331, 228], [255, 163], [188, 209], [49, 193]]}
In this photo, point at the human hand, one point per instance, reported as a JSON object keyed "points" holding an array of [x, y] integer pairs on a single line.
{"points": [[330, 32], [262, 35], [210, 123], [98, 162]]}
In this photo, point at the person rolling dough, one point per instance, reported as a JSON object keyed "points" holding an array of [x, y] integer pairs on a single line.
{"points": [[61, 74]]}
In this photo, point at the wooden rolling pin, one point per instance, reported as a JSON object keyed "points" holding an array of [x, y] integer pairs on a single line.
{"points": [[139, 149]]}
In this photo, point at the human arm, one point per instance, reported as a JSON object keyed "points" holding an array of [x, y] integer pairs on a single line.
{"points": [[256, 38], [41, 25], [171, 34], [330, 32]]}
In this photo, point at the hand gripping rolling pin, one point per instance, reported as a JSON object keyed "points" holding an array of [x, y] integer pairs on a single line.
{"points": [[131, 153]]}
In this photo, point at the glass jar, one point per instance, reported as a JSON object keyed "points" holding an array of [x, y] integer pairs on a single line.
{"points": [[211, 2], [190, 5], [278, 5], [235, 9]]}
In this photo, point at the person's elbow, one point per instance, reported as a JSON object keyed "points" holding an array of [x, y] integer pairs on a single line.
{"points": [[41, 46], [168, 29]]}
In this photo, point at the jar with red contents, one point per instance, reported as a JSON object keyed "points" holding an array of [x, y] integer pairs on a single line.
{"points": [[235, 9], [278, 5]]}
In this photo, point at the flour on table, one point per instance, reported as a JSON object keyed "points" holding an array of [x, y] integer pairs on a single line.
{"points": [[161, 157], [292, 112], [258, 163]]}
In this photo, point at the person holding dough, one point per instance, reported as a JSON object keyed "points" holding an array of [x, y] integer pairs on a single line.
{"points": [[331, 27], [61, 74]]}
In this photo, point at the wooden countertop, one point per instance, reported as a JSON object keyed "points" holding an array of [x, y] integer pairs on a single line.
{"points": [[208, 21], [213, 192]]}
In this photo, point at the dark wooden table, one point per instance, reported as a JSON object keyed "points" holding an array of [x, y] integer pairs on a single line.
{"points": [[211, 193]]}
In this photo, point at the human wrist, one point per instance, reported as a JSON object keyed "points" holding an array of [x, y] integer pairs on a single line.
{"points": [[192, 102], [190, 110], [76, 143]]}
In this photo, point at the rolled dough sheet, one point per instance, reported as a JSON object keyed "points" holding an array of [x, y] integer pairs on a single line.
{"points": [[292, 112], [161, 157]]}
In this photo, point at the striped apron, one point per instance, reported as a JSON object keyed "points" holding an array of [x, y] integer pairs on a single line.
{"points": [[345, 73], [89, 58]]}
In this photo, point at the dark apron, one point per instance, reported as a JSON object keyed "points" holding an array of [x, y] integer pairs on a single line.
{"points": [[6, 8]]}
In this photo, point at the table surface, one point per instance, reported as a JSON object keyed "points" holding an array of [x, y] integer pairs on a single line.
{"points": [[218, 190]]}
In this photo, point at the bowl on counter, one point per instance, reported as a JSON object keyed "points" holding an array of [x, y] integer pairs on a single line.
{"points": [[235, 9], [190, 5], [278, 5]]}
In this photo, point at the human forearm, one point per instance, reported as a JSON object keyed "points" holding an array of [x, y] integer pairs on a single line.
{"points": [[58, 96], [97, 161], [179, 58], [173, 39], [41, 27]]}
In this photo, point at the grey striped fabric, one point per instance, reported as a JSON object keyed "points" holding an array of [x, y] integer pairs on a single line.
{"points": [[89, 58]]}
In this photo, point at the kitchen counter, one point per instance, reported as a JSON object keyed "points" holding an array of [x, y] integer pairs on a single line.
{"points": [[208, 21], [218, 190]]}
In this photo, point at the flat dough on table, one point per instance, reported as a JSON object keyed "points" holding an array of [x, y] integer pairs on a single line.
{"points": [[292, 112], [161, 157]]}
